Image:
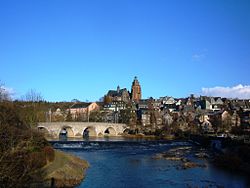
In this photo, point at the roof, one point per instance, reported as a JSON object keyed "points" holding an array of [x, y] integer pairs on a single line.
{"points": [[143, 101], [80, 105], [114, 93], [135, 82], [215, 113]]}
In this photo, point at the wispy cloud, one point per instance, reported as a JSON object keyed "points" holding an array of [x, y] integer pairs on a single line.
{"points": [[198, 57], [239, 91]]}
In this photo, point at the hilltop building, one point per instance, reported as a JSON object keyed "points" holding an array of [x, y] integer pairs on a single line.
{"points": [[124, 95], [117, 95], [136, 91]]}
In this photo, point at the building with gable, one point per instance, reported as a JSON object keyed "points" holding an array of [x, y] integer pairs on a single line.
{"points": [[117, 95]]}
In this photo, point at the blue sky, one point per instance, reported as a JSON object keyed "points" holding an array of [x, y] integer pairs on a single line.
{"points": [[81, 49]]}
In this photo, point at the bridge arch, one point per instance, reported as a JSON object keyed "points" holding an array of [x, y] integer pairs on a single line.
{"points": [[68, 130], [43, 130], [110, 131], [126, 131], [89, 131], [100, 135]]}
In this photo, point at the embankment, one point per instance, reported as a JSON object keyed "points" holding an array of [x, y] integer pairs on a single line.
{"points": [[65, 171]]}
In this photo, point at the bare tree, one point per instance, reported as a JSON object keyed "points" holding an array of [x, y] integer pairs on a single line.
{"points": [[4, 94], [32, 96]]}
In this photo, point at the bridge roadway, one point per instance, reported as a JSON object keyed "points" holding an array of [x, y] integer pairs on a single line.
{"points": [[78, 129]]}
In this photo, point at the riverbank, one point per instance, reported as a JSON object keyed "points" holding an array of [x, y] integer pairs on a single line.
{"points": [[65, 171], [228, 154], [150, 137]]}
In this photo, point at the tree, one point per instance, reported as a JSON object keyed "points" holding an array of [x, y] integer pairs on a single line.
{"points": [[95, 116], [75, 100], [216, 122], [4, 93], [226, 123], [32, 96], [125, 116], [22, 152], [153, 119], [69, 116], [167, 120], [107, 99]]}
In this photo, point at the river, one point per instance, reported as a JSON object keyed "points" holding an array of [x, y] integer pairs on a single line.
{"points": [[131, 163]]}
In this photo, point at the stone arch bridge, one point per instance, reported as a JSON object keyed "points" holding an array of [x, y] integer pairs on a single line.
{"points": [[78, 129]]}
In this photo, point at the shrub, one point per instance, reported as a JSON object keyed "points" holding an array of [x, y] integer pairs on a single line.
{"points": [[14, 172], [49, 153], [21, 149], [36, 160]]}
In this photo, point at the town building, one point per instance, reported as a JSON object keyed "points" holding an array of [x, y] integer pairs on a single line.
{"points": [[142, 104], [115, 106], [81, 111], [211, 103], [168, 100], [117, 95]]}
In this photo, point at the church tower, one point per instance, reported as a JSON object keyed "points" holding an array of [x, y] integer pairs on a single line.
{"points": [[136, 90]]}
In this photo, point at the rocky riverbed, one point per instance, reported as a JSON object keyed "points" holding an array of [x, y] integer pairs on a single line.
{"points": [[185, 156]]}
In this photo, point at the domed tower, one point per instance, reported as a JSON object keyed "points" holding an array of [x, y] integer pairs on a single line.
{"points": [[136, 90]]}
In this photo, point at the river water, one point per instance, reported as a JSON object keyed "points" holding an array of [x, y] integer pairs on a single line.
{"points": [[130, 163]]}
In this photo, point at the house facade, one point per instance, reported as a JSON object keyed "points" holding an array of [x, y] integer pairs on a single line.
{"points": [[82, 109], [115, 106], [211, 103]]}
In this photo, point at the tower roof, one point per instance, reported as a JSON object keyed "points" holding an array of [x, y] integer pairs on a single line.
{"points": [[135, 82]]}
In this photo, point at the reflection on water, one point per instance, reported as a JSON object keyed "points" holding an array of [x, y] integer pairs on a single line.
{"points": [[124, 162]]}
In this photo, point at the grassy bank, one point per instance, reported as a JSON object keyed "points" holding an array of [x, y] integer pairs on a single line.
{"points": [[65, 171]]}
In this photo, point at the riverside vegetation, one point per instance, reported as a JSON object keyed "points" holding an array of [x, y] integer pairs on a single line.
{"points": [[27, 159]]}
